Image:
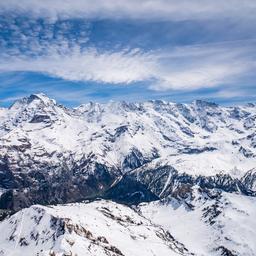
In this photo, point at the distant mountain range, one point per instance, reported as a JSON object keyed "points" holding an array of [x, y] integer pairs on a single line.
{"points": [[187, 170]]}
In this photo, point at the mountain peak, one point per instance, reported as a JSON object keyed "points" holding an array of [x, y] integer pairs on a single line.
{"points": [[42, 97], [33, 99]]}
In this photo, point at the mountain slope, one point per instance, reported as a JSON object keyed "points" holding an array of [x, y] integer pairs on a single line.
{"points": [[52, 154], [188, 171], [210, 222]]}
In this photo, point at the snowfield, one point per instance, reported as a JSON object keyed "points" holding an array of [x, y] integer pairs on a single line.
{"points": [[209, 224]]}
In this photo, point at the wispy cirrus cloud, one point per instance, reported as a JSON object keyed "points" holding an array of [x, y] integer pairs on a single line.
{"points": [[54, 38], [182, 68], [144, 9], [204, 66], [87, 65]]}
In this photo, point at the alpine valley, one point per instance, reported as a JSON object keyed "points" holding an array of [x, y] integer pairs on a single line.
{"points": [[135, 179]]}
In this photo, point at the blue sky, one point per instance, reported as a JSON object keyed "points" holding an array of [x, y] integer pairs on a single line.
{"points": [[78, 51]]}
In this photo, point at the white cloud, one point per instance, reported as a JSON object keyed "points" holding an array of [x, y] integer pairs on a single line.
{"points": [[183, 68], [41, 37], [143, 9], [198, 77], [180, 68], [88, 65], [195, 67]]}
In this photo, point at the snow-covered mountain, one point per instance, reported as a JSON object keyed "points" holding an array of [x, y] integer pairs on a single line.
{"points": [[52, 154], [181, 166], [210, 222]]}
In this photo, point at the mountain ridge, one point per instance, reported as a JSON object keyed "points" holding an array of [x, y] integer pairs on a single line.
{"points": [[44, 145], [166, 164]]}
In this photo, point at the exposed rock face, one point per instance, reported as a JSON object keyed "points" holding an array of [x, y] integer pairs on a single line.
{"points": [[151, 183]]}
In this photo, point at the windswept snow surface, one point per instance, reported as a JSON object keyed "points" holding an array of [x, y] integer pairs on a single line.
{"points": [[214, 223]]}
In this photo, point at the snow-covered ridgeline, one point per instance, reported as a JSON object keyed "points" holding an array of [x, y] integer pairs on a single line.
{"points": [[97, 228], [182, 135], [53, 154]]}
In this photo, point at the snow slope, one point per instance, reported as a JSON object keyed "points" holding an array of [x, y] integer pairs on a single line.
{"points": [[212, 223], [97, 228]]}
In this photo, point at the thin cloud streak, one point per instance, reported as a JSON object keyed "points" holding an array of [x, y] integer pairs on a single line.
{"points": [[182, 68], [88, 65], [132, 9]]}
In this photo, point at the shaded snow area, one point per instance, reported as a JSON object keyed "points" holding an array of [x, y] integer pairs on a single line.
{"points": [[97, 228]]}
